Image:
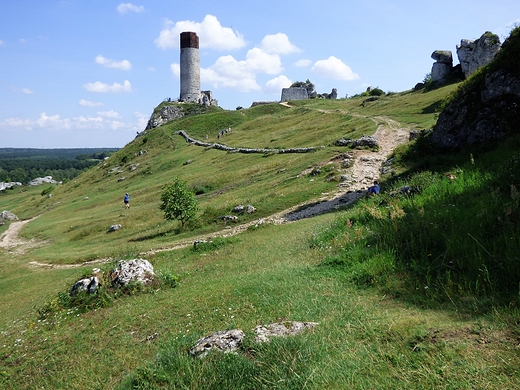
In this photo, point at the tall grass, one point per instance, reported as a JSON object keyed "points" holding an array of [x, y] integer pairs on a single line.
{"points": [[454, 232]]}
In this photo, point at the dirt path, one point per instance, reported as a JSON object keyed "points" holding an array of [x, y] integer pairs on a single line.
{"points": [[11, 241], [364, 170]]}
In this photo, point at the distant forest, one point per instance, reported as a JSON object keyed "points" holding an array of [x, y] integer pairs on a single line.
{"points": [[23, 165]]}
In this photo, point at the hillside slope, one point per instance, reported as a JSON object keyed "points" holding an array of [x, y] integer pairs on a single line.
{"points": [[73, 223]]}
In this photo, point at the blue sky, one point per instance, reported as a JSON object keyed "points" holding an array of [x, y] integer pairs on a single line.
{"points": [[88, 73]]}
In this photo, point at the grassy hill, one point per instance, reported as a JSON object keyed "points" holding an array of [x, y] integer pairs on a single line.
{"points": [[409, 291]]}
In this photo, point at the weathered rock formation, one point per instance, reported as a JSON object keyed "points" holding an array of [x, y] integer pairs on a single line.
{"points": [[475, 54], [488, 107], [443, 67], [472, 55], [9, 185], [137, 270], [333, 95], [6, 215], [41, 180], [231, 340], [170, 111]]}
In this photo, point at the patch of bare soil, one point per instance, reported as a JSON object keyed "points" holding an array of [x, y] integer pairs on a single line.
{"points": [[13, 243], [479, 338]]}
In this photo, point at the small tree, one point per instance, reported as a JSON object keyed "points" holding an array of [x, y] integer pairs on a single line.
{"points": [[178, 202]]}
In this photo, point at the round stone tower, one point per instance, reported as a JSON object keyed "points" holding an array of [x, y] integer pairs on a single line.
{"points": [[190, 67]]}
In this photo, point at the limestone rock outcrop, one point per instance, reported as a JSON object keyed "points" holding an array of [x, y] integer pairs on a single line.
{"points": [[9, 185], [443, 65], [231, 340], [136, 270], [41, 180], [6, 215], [172, 110], [487, 108], [475, 54]]}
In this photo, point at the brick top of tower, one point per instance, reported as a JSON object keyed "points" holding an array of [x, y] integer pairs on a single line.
{"points": [[189, 39]]}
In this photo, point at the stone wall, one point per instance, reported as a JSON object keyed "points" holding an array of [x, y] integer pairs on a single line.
{"points": [[294, 94]]}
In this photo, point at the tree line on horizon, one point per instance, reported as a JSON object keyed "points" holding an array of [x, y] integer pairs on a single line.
{"points": [[23, 165]]}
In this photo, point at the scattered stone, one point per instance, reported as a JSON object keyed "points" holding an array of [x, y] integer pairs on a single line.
{"points": [[343, 142], [199, 242], [116, 170], [365, 141], [187, 162], [241, 209], [9, 185], [85, 198], [113, 228], [281, 329], [152, 336], [41, 180], [89, 285], [6, 215], [224, 341], [233, 218], [414, 134], [137, 270], [133, 167], [121, 179]]}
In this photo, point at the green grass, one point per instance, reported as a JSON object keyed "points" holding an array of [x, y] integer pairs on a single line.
{"points": [[373, 276]]}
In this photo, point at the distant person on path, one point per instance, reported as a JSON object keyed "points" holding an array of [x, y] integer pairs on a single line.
{"points": [[374, 190], [126, 200]]}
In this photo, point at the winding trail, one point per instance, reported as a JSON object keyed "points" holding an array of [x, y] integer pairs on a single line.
{"points": [[364, 169], [11, 241]]}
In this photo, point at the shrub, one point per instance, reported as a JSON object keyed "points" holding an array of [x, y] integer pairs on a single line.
{"points": [[178, 202]]}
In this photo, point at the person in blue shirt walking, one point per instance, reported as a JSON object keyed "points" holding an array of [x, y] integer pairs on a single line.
{"points": [[126, 200]]}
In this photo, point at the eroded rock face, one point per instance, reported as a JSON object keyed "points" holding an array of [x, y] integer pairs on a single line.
{"points": [[474, 54], [164, 115], [137, 270], [482, 114]]}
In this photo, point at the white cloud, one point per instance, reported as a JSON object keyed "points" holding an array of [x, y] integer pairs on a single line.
{"points": [[262, 62], [278, 44], [123, 8], [151, 69], [142, 121], [88, 103], [1, 42], [27, 91], [227, 72], [176, 69], [303, 63], [210, 31], [109, 63], [334, 68], [52, 122], [275, 85], [13, 123], [103, 121], [108, 114], [98, 86]]}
